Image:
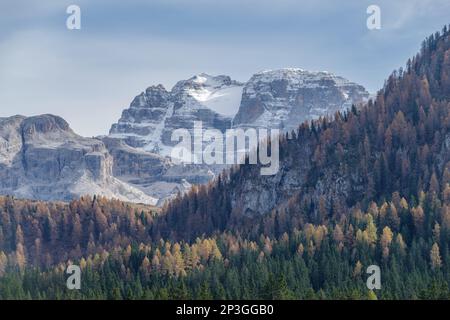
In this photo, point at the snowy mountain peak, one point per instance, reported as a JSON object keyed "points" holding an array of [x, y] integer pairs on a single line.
{"points": [[280, 99], [155, 113], [219, 94], [203, 81], [284, 98]]}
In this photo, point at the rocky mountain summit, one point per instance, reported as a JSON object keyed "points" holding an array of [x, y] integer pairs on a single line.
{"points": [[141, 140], [283, 99], [154, 114]]}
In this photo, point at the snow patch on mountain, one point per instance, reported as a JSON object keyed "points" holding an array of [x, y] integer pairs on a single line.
{"points": [[216, 95]]}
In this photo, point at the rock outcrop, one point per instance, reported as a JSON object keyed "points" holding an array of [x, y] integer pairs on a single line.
{"points": [[42, 158], [280, 99], [283, 99], [154, 114]]}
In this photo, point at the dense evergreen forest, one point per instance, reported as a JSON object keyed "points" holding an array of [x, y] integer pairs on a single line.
{"points": [[311, 246]]}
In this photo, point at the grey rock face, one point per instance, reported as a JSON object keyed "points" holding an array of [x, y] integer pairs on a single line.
{"points": [[42, 158], [285, 98], [280, 99], [258, 195]]}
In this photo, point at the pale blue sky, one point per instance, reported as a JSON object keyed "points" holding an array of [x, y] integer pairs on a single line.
{"points": [[89, 76]]}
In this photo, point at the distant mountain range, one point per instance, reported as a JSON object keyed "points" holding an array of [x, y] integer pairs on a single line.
{"points": [[42, 158]]}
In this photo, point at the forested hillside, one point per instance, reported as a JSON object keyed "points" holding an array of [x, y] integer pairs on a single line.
{"points": [[370, 186], [398, 144]]}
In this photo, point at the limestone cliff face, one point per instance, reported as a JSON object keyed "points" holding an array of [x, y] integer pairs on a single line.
{"points": [[141, 140], [154, 114], [283, 99], [42, 158]]}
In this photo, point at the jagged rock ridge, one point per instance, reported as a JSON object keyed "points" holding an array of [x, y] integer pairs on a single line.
{"points": [[285, 98], [280, 99]]}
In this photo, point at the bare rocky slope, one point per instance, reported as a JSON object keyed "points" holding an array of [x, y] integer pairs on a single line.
{"points": [[275, 99], [42, 158]]}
